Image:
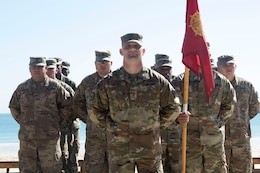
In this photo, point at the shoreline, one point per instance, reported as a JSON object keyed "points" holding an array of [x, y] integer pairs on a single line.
{"points": [[9, 151]]}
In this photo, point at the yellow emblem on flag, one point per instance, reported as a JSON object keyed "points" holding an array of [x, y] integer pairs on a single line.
{"points": [[195, 24]]}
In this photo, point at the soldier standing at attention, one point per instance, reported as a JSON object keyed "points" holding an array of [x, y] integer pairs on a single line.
{"points": [[206, 128], [61, 76], [95, 159], [70, 161], [39, 105], [70, 142], [65, 68], [132, 104], [171, 143], [52, 71], [238, 130], [163, 65], [71, 131]]}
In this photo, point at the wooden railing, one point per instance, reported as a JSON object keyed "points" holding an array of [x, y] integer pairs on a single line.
{"points": [[256, 161], [8, 165], [15, 164]]}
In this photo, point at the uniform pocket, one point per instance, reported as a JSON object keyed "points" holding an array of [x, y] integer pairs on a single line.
{"points": [[210, 138]]}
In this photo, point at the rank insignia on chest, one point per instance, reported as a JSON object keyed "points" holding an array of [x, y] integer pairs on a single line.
{"points": [[133, 95]]}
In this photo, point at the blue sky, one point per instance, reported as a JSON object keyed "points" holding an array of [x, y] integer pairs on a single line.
{"points": [[73, 30]]}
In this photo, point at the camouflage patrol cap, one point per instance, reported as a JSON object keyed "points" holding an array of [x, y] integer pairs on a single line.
{"points": [[58, 60], [225, 59], [103, 55], [51, 63], [132, 37], [65, 64], [162, 60], [159, 57], [37, 61]]}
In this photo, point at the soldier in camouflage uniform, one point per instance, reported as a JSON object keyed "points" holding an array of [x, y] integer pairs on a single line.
{"points": [[170, 143], [51, 72], [71, 132], [61, 76], [65, 68], [206, 128], [132, 104], [39, 105], [238, 131], [163, 65], [95, 159], [70, 141]]}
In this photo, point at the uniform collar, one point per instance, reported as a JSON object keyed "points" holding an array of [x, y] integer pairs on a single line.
{"points": [[142, 75]]}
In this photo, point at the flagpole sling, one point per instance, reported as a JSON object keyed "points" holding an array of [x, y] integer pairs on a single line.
{"points": [[184, 126]]}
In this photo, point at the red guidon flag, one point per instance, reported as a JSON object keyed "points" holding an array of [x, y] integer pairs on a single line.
{"points": [[194, 49]]}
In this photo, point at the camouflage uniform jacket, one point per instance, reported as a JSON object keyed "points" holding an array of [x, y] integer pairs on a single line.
{"points": [[138, 107], [39, 108], [246, 108], [207, 120], [68, 81], [72, 93], [82, 93]]}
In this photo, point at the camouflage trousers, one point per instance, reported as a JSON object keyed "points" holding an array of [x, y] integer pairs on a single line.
{"points": [[40, 156], [172, 162], [205, 159], [143, 166], [171, 153], [70, 144], [239, 155], [95, 158]]}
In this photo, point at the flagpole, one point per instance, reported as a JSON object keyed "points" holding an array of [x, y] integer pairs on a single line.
{"points": [[184, 126]]}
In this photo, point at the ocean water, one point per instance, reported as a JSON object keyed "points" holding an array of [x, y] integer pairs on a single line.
{"points": [[9, 133], [9, 128]]}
